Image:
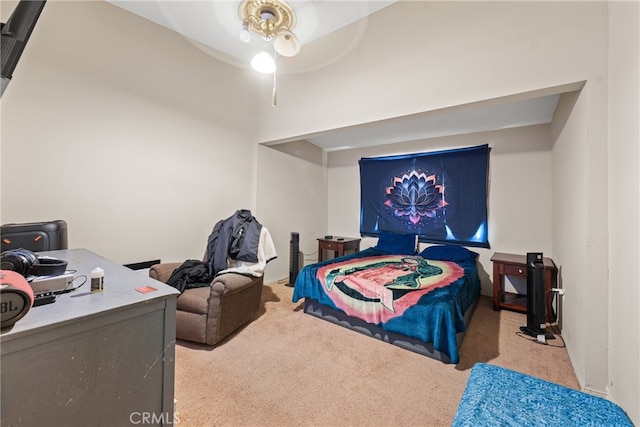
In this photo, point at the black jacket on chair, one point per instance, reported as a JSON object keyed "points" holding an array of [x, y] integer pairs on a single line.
{"points": [[191, 274], [236, 237]]}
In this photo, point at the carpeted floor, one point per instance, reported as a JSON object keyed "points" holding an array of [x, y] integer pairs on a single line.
{"points": [[287, 368]]}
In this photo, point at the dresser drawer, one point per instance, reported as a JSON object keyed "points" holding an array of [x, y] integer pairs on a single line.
{"points": [[514, 270]]}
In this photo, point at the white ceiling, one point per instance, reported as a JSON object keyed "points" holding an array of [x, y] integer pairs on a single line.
{"points": [[216, 24]]}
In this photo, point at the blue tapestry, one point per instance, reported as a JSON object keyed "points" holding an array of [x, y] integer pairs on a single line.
{"points": [[441, 196]]}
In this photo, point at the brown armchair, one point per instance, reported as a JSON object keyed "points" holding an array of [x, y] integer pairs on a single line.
{"points": [[209, 314]]}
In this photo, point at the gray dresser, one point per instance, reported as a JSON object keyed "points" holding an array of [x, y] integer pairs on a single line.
{"points": [[92, 359]]}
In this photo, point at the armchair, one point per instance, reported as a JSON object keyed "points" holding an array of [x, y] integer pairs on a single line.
{"points": [[209, 314]]}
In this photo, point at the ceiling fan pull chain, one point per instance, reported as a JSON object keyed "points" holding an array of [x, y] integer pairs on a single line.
{"points": [[273, 99]]}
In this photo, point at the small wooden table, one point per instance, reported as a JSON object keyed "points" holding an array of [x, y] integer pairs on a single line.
{"points": [[338, 244], [516, 265]]}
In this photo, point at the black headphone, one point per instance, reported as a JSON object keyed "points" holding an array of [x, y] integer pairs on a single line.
{"points": [[27, 263]]}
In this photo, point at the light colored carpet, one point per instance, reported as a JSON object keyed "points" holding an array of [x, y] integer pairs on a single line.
{"points": [[287, 368]]}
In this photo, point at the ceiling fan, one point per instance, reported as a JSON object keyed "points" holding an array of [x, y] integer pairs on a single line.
{"points": [[274, 21], [279, 27]]}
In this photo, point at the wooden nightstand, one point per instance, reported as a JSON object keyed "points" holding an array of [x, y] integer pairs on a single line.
{"points": [[516, 265], [338, 244]]}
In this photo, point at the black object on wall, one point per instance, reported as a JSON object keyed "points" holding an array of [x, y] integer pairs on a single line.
{"points": [[35, 236], [536, 316], [294, 258], [14, 35]]}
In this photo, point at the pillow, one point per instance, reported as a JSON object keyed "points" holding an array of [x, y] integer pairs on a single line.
{"points": [[449, 253], [395, 243]]}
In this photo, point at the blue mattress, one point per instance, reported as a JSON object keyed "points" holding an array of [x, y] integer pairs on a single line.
{"points": [[436, 318], [496, 396]]}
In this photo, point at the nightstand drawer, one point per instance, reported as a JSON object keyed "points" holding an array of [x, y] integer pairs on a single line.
{"points": [[514, 270]]}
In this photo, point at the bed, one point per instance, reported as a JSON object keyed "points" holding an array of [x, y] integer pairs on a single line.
{"points": [[422, 302], [499, 396]]}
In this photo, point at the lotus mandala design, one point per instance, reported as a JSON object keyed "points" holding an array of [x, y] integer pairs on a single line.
{"points": [[415, 195]]}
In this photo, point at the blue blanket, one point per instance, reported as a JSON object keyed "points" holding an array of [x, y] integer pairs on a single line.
{"points": [[496, 396], [406, 294]]}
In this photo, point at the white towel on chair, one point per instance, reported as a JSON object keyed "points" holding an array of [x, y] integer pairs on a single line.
{"points": [[266, 252]]}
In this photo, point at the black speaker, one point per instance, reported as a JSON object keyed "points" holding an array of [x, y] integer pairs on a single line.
{"points": [[535, 292], [35, 236], [536, 311], [294, 258]]}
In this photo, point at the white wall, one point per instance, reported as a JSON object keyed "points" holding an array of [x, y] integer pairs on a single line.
{"points": [[440, 54], [126, 131], [571, 234], [624, 200], [293, 198]]}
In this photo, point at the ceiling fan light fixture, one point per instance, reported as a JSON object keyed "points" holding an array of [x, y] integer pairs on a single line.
{"points": [[267, 23], [245, 34], [287, 44], [263, 63], [270, 19]]}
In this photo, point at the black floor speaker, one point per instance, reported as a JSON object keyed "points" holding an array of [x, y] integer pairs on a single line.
{"points": [[536, 311], [294, 258]]}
